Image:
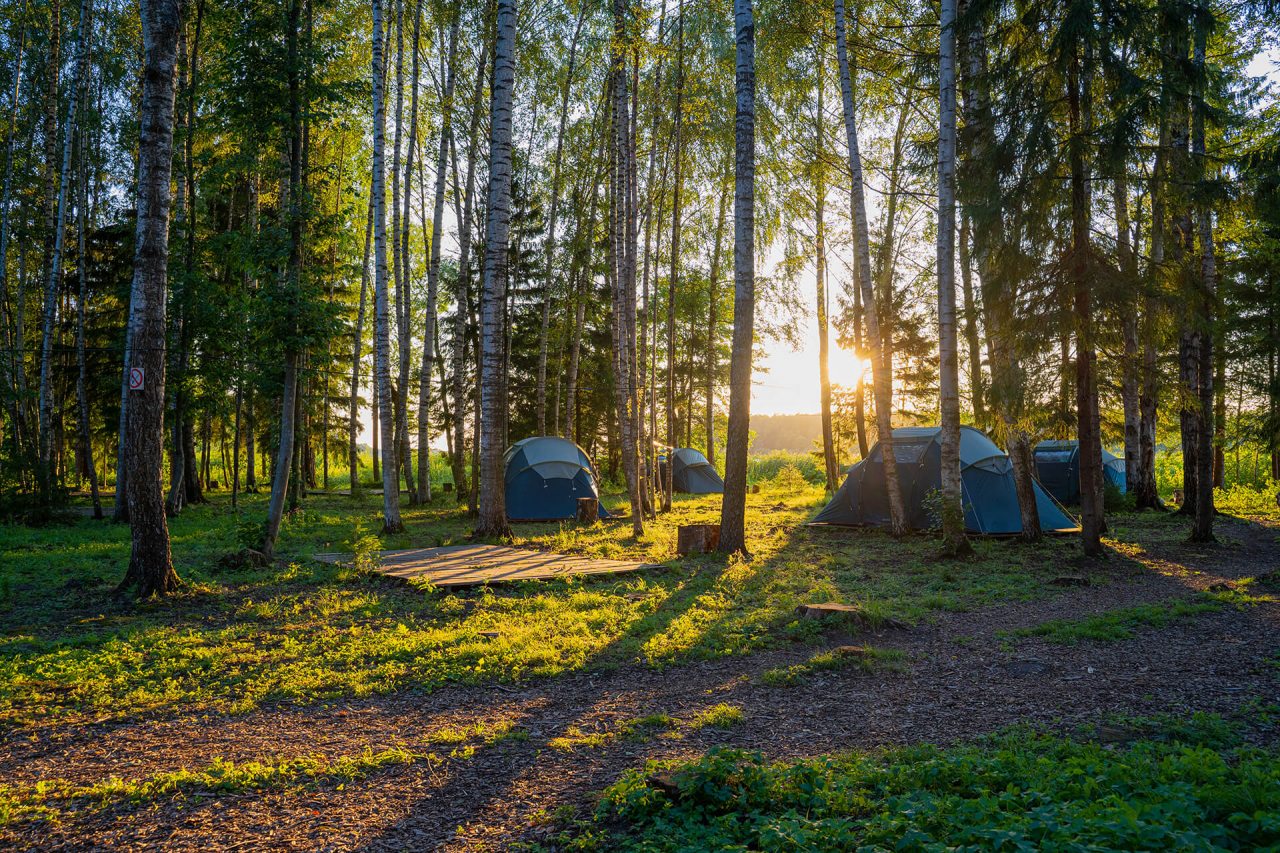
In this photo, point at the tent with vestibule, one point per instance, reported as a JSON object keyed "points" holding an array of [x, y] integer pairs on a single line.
{"points": [[989, 497], [1058, 469], [691, 473], [545, 476]]}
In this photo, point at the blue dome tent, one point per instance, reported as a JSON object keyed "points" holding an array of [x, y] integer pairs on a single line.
{"points": [[693, 474], [1058, 469], [545, 476], [990, 499]]}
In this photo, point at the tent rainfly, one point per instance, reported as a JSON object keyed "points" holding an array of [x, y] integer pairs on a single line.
{"points": [[693, 474], [989, 497], [1058, 469], [545, 476]]}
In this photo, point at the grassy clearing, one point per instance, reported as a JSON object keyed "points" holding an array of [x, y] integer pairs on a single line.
{"points": [[865, 658], [302, 631], [1121, 623], [1191, 789], [721, 716]]}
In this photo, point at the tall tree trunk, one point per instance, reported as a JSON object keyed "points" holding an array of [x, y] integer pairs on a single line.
{"points": [[1090, 444], [432, 247], [881, 362], [353, 404], [954, 541], [622, 266], [493, 383], [820, 274], [16, 367], [391, 522], [977, 382], [150, 564], [400, 247], [54, 201], [544, 329], [999, 289], [713, 325], [673, 280], [1206, 305], [82, 398], [293, 272], [1129, 377], [733, 508]]}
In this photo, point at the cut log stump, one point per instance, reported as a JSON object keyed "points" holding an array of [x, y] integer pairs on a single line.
{"points": [[697, 538], [851, 614], [588, 510]]}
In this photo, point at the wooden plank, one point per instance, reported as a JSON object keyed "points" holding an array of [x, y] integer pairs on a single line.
{"points": [[471, 565]]}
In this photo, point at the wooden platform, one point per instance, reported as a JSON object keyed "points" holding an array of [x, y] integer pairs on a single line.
{"points": [[472, 565]]}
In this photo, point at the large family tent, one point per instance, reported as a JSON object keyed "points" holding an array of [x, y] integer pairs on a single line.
{"points": [[545, 476], [693, 474], [990, 500], [1058, 468]]}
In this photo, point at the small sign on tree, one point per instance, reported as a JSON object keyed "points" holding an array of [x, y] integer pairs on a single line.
{"points": [[137, 378]]}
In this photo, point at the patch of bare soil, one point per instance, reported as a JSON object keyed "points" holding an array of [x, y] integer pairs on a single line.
{"points": [[963, 678]]}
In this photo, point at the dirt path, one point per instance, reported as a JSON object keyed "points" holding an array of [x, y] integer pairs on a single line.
{"points": [[963, 677]]}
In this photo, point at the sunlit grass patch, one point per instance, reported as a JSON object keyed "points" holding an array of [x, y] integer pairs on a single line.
{"points": [[721, 716], [1120, 623], [52, 799], [865, 658]]}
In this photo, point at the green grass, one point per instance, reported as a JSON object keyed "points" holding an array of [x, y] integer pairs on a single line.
{"points": [[51, 799], [1015, 791], [721, 716], [303, 631], [1121, 623], [865, 658]]}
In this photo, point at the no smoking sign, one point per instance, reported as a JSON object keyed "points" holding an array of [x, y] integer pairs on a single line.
{"points": [[137, 378]]}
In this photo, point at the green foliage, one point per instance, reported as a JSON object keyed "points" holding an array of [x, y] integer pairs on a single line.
{"points": [[1258, 502], [1016, 791]]}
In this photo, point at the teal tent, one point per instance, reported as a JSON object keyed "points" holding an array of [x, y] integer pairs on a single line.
{"points": [[1058, 469], [990, 500], [545, 476], [693, 474]]}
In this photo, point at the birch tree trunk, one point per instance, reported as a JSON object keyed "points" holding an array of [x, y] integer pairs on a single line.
{"points": [[353, 404], [544, 331], [820, 279], [421, 490], [14, 342], [44, 407], [150, 569], [881, 366], [400, 244], [493, 296], [713, 324], [954, 542], [391, 522], [673, 280], [82, 399], [733, 507], [54, 271], [462, 298]]}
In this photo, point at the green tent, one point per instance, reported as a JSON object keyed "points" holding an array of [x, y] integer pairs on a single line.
{"points": [[986, 474]]}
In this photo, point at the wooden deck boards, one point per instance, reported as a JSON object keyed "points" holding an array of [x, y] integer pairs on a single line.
{"points": [[472, 565]]}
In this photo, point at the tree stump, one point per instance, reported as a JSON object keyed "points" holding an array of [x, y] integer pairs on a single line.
{"points": [[697, 538], [755, 488], [588, 510], [1177, 497]]}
